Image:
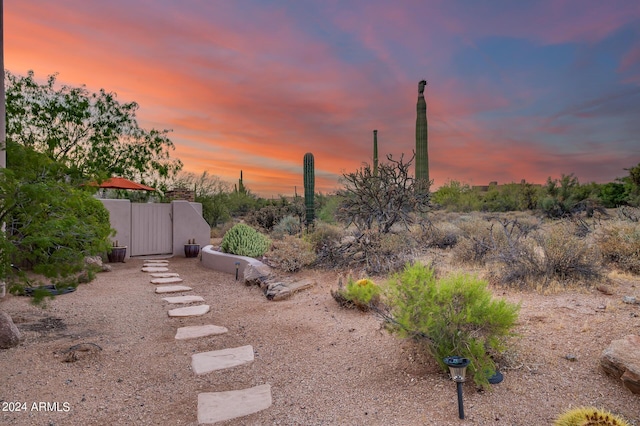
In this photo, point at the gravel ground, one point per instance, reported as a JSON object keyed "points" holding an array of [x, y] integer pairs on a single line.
{"points": [[325, 365]]}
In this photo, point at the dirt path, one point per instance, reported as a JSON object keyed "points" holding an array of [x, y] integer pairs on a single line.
{"points": [[325, 365]]}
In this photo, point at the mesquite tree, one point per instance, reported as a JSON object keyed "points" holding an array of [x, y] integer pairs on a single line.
{"points": [[379, 201], [92, 134]]}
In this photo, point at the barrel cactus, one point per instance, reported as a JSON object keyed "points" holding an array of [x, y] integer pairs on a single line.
{"points": [[309, 187], [243, 240], [589, 416]]}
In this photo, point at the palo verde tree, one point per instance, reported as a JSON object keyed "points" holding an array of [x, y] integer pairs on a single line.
{"points": [[380, 200], [92, 134]]}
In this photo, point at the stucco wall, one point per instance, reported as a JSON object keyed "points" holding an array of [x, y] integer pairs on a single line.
{"points": [[120, 218], [187, 225]]}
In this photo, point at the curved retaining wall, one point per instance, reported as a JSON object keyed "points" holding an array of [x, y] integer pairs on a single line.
{"points": [[225, 262]]}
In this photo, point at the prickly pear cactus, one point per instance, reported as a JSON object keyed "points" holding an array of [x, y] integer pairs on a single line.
{"points": [[589, 416], [243, 240]]}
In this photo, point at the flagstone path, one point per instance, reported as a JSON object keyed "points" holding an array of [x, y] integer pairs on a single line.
{"points": [[213, 407], [183, 299]]}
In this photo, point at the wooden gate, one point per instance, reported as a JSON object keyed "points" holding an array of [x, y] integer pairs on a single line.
{"points": [[151, 229]]}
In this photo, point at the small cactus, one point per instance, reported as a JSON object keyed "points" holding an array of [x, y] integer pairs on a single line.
{"points": [[589, 416], [243, 240]]}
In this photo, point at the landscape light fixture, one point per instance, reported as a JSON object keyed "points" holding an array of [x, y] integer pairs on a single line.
{"points": [[458, 370], [237, 267]]}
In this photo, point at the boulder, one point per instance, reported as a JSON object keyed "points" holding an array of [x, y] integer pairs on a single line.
{"points": [[622, 360], [9, 334], [256, 274]]}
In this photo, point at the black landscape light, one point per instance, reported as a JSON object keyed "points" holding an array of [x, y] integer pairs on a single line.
{"points": [[458, 370], [237, 267]]}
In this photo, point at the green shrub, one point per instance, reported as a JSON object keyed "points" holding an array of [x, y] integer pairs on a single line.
{"points": [[456, 314], [243, 240], [361, 294], [619, 244], [291, 254], [288, 225]]}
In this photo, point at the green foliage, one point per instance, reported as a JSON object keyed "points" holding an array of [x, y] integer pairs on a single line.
{"points": [[288, 225], [51, 225], [243, 240], [589, 416], [361, 294], [309, 185], [456, 314], [566, 196], [612, 195], [291, 254], [456, 196], [92, 134], [328, 206]]}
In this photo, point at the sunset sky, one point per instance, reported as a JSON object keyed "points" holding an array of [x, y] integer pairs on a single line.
{"points": [[516, 89]]}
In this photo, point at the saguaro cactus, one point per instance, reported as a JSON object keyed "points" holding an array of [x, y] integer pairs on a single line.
{"points": [[375, 153], [309, 185], [422, 146]]}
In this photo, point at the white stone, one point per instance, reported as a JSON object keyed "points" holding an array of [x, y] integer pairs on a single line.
{"points": [[169, 280], [189, 311], [172, 289], [156, 261], [183, 299], [165, 275], [218, 406], [195, 331], [205, 362], [155, 269]]}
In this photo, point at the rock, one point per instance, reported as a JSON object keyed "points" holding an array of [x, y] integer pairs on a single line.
{"points": [[97, 261], [256, 274], [629, 299], [622, 360], [277, 291], [9, 334]]}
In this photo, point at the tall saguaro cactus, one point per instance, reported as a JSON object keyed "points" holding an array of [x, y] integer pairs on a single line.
{"points": [[309, 186], [422, 146], [375, 153]]}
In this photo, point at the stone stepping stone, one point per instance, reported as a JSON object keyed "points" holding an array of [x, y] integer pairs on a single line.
{"points": [[172, 289], [195, 331], [156, 261], [154, 269], [206, 362], [218, 406], [189, 311], [170, 280], [165, 275], [184, 299]]}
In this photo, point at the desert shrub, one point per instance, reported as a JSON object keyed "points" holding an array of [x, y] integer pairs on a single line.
{"points": [[619, 244], [591, 416], [361, 294], [441, 235], [243, 240], [326, 241], [567, 257], [475, 242], [266, 217], [288, 225], [291, 254], [454, 315]]}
